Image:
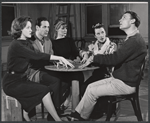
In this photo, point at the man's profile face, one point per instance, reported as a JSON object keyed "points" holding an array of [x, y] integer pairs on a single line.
{"points": [[43, 29], [126, 21]]}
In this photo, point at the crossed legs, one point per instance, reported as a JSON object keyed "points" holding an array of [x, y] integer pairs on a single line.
{"points": [[109, 86]]}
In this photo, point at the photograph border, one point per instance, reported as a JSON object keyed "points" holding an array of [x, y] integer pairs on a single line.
{"points": [[77, 1]]}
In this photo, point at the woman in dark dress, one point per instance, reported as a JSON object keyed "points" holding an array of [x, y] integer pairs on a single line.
{"points": [[65, 47], [15, 82]]}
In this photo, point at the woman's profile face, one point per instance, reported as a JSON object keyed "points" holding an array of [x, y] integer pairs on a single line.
{"points": [[62, 31], [100, 34], [26, 31]]}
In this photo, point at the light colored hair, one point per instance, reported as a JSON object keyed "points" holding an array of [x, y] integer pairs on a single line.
{"points": [[58, 23]]}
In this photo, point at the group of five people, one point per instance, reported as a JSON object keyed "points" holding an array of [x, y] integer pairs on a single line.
{"points": [[30, 83]]}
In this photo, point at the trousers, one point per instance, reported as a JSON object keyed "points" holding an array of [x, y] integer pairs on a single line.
{"points": [[105, 87]]}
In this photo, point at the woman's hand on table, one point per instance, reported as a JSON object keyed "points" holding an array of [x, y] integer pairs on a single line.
{"points": [[71, 61], [62, 61], [89, 61], [85, 58], [77, 59], [66, 62]]}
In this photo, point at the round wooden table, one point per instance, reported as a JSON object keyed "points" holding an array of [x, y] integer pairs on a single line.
{"points": [[75, 83]]}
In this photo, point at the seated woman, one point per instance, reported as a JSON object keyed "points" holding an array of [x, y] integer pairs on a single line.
{"points": [[101, 46], [65, 46], [15, 82]]}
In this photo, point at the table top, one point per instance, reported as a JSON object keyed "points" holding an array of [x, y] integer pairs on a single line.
{"points": [[54, 68], [76, 68]]}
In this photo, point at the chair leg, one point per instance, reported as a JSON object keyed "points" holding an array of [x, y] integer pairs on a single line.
{"points": [[109, 111], [117, 111], [42, 108], [136, 107]]}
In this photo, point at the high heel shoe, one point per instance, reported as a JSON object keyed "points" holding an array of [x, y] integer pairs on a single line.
{"points": [[62, 107]]}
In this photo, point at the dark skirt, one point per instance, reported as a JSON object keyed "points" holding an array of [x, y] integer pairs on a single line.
{"points": [[28, 93]]}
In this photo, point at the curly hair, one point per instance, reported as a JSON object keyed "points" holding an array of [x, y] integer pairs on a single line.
{"points": [[17, 25], [134, 16], [97, 26]]}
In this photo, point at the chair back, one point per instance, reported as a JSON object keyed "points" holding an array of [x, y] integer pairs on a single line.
{"points": [[140, 77], [141, 74], [133, 97]]}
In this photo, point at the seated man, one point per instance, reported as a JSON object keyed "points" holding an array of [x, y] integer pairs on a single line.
{"points": [[36, 70], [101, 46], [127, 61]]}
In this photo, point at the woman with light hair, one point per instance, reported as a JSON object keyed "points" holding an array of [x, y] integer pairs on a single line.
{"points": [[64, 46]]}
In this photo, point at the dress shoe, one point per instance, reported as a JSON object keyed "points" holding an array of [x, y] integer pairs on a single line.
{"points": [[75, 116]]}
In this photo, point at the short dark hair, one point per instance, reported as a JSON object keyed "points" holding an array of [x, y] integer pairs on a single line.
{"points": [[39, 20], [98, 25], [134, 16], [17, 25]]}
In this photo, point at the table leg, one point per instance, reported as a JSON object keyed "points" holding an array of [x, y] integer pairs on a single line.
{"points": [[75, 94], [87, 74]]}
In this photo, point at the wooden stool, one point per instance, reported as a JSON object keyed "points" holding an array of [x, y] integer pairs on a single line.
{"points": [[11, 109]]}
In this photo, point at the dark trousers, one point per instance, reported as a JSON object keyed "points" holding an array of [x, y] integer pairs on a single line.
{"points": [[58, 88], [56, 85], [67, 77]]}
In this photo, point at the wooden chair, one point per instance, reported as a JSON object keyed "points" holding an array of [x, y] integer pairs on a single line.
{"points": [[134, 98], [80, 44], [11, 108]]}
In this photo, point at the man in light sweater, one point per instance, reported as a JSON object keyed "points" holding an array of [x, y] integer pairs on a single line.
{"points": [[127, 61]]}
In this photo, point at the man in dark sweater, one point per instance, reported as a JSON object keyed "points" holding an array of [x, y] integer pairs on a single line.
{"points": [[127, 61]]}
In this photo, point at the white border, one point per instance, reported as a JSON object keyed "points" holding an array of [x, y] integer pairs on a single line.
{"points": [[77, 2]]}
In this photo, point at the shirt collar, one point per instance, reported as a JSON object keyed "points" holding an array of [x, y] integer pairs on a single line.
{"points": [[41, 40]]}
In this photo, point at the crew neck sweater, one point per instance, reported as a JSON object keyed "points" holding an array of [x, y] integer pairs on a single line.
{"points": [[127, 60], [65, 47]]}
